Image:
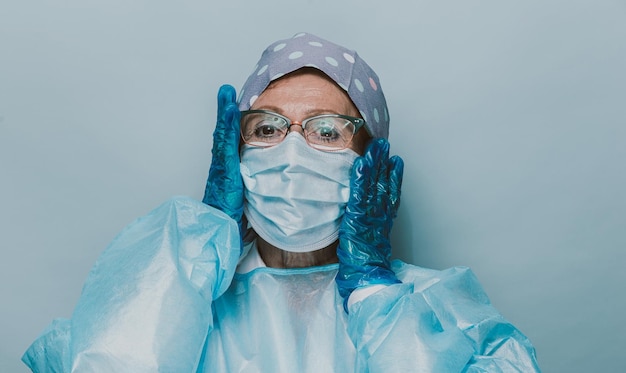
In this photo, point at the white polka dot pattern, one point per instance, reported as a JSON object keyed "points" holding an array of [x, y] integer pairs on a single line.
{"points": [[373, 84], [262, 70], [332, 61], [277, 76], [252, 99], [358, 85], [296, 54]]}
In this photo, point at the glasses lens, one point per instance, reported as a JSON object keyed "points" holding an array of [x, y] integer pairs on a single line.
{"points": [[263, 129], [329, 133]]}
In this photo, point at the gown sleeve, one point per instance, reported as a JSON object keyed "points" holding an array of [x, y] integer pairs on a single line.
{"points": [[146, 304], [436, 321]]}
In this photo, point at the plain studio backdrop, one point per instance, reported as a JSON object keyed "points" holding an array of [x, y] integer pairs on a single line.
{"points": [[510, 116]]}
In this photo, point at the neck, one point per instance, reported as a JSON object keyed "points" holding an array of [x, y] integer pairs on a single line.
{"points": [[277, 258]]}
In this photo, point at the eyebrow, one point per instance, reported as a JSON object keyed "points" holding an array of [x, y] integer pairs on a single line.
{"points": [[309, 113]]}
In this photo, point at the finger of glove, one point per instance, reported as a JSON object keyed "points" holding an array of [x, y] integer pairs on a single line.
{"points": [[382, 180], [363, 181], [375, 160], [396, 171], [225, 162], [226, 106], [358, 181], [364, 211], [226, 139], [225, 95], [232, 117], [379, 198], [227, 123], [224, 188]]}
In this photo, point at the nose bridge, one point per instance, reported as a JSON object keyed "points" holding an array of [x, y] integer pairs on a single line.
{"points": [[298, 126]]}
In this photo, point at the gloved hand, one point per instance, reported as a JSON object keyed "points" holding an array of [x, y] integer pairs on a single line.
{"points": [[364, 250], [224, 186]]}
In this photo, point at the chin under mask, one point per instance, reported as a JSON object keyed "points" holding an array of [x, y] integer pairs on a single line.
{"points": [[295, 195]]}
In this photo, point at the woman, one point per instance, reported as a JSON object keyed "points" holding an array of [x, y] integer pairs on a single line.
{"points": [[286, 267]]}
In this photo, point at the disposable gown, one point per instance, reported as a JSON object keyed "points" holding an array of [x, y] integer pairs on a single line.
{"points": [[166, 296]]}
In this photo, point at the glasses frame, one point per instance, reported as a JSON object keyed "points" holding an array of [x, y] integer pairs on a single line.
{"points": [[357, 122]]}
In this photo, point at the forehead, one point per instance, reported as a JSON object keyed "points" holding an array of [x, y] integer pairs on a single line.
{"points": [[305, 91]]}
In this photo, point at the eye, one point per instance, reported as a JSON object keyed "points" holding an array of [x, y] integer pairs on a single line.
{"points": [[263, 128], [329, 131]]}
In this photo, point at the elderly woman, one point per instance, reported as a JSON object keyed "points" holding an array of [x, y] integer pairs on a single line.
{"points": [[286, 266]]}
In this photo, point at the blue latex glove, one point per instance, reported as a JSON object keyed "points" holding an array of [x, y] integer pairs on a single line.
{"points": [[224, 186], [364, 250]]}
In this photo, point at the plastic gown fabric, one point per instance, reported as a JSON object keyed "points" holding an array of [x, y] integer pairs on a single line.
{"points": [[166, 296]]}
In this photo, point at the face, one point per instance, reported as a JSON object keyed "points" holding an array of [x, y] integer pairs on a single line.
{"points": [[306, 93]]}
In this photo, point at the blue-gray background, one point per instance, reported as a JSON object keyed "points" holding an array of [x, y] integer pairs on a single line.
{"points": [[510, 115]]}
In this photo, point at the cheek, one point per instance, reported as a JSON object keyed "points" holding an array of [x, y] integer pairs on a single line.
{"points": [[360, 141]]}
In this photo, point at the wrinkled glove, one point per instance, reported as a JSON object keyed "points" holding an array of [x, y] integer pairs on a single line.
{"points": [[224, 186], [364, 250]]}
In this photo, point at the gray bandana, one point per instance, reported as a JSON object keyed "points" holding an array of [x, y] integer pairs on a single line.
{"points": [[342, 65]]}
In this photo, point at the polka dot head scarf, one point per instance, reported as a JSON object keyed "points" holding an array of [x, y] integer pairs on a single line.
{"points": [[342, 65]]}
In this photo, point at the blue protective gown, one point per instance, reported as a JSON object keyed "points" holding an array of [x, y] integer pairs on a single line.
{"points": [[165, 296]]}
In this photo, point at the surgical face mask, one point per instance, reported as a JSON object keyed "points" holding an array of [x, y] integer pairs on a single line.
{"points": [[296, 195]]}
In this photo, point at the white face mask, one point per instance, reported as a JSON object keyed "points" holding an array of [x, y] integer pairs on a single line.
{"points": [[295, 195]]}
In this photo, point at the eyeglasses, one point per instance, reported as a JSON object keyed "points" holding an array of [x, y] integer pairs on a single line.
{"points": [[327, 132]]}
